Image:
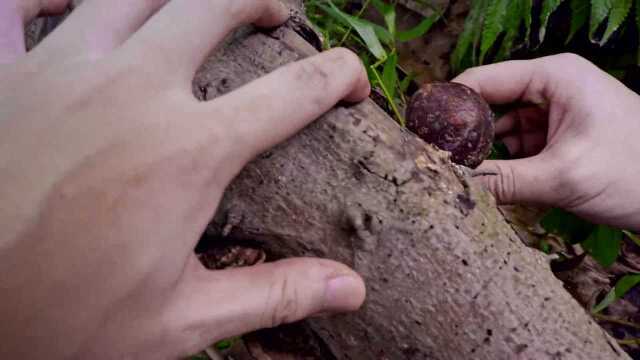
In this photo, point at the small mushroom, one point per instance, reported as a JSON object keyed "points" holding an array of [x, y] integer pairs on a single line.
{"points": [[454, 118]]}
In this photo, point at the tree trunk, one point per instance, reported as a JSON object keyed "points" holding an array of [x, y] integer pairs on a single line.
{"points": [[447, 277]]}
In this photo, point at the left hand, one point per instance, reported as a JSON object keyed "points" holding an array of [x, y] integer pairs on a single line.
{"points": [[110, 171]]}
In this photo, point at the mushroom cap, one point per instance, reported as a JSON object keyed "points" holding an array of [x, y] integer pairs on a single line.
{"points": [[454, 118]]}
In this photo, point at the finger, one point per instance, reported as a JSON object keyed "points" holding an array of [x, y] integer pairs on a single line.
{"points": [[531, 180], [97, 27], [185, 31], [14, 15], [214, 305], [513, 144], [538, 81], [525, 144], [272, 108], [507, 124], [525, 119]]}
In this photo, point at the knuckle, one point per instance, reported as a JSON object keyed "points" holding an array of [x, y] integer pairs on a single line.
{"points": [[570, 60], [350, 62], [346, 58], [570, 162], [243, 10], [503, 185], [284, 301], [470, 73], [312, 70]]}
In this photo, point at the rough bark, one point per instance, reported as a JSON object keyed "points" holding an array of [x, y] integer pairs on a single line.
{"points": [[447, 277]]}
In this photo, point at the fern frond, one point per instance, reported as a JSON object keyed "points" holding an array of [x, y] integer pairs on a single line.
{"points": [[518, 12], [526, 14], [599, 11], [579, 16], [468, 37], [619, 11], [494, 24], [548, 8]]}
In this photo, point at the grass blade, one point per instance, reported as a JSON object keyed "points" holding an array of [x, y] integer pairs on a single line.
{"points": [[364, 28], [419, 30], [623, 286]]}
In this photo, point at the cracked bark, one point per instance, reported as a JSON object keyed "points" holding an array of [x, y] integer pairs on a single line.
{"points": [[447, 277]]}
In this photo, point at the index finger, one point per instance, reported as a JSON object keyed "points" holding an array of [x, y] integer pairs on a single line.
{"points": [[538, 81]]}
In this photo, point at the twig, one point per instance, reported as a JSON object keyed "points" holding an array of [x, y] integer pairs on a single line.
{"points": [[614, 320], [629, 342]]}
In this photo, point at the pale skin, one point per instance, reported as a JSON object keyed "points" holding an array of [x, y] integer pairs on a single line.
{"points": [[110, 171]]}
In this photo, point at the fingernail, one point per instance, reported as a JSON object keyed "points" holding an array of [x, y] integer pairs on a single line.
{"points": [[343, 293]]}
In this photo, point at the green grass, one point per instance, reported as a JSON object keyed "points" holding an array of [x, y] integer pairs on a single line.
{"points": [[341, 24]]}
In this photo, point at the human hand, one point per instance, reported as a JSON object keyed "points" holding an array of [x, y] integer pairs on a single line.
{"points": [[576, 138], [110, 171]]}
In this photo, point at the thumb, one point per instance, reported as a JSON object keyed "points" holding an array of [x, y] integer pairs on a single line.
{"points": [[530, 180], [225, 303]]}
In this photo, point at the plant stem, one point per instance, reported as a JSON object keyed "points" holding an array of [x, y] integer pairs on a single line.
{"points": [[629, 342], [391, 101], [614, 320]]}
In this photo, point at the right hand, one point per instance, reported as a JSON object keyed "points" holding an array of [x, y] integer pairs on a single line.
{"points": [[576, 140]]}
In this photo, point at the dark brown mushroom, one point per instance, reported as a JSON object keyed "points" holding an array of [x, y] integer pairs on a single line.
{"points": [[454, 118]]}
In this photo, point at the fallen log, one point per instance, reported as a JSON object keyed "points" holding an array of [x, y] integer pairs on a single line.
{"points": [[446, 275]]}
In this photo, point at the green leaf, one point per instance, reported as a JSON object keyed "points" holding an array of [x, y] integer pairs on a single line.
{"points": [[625, 284], [548, 8], [383, 34], [499, 151], [514, 18], [622, 287], [579, 17], [388, 11], [390, 75], [604, 244], [364, 28], [599, 11], [406, 82], [608, 299], [527, 10], [224, 344], [619, 11], [419, 30], [466, 40], [566, 225], [493, 25]]}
